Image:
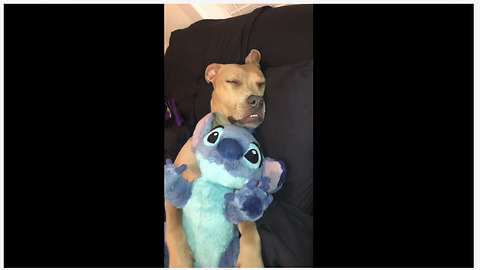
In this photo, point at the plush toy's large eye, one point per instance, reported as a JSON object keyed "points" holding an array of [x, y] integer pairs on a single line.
{"points": [[212, 137], [253, 156]]}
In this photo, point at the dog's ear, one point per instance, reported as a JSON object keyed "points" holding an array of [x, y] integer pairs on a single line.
{"points": [[253, 57], [202, 128], [211, 71], [275, 170]]}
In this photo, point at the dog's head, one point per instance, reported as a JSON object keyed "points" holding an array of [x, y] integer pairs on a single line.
{"points": [[231, 156], [238, 91]]}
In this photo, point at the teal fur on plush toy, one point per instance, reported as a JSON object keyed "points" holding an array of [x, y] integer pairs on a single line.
{"points": [[235, 183]]}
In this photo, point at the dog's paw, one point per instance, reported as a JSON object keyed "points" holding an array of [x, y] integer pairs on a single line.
{"points": [[177, 190], [249, 202]]}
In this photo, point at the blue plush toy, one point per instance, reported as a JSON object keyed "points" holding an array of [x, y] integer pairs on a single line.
{"points": [[235, 183]]}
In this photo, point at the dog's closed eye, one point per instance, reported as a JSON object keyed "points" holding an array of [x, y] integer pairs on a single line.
{"points": [[234, 82]]}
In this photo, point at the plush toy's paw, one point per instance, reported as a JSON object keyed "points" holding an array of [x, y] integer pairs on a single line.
{"points": [[249, 202], [177, 190]]}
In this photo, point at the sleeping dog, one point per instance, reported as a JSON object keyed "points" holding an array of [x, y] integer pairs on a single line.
{"points": [[237, 98]]}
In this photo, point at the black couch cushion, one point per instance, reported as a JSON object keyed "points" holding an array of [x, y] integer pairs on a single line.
{"points": [[286, 235], [283, 35], [287, 131]]}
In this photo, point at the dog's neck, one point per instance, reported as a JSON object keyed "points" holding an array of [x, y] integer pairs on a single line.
{"points": [[220, 119]]}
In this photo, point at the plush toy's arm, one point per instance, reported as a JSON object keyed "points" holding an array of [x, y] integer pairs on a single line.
{"points": [[247, 203], [177, 190], [276, 171]]}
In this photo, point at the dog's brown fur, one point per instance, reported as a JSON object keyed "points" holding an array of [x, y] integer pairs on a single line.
{"points": [[237, 98]]}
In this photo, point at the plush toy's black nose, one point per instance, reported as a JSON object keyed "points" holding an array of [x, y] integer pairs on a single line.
{"points": [[230, 149]]}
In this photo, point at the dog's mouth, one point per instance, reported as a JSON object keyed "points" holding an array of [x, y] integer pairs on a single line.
{"points": [[250, 120]]}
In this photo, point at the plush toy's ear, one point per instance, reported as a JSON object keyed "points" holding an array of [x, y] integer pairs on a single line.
{"points": [[275, 170], [202, 128]]}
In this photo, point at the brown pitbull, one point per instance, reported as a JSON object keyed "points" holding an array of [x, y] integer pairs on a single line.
{"points": [[237, 98]]}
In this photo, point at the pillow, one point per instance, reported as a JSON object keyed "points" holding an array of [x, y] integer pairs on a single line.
{"points": [[283, 35], [287, 236], [287, 131]]}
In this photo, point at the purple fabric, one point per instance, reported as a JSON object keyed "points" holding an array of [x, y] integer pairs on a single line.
{"points": [[174, 110]]}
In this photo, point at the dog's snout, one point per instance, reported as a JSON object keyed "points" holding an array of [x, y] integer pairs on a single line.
{"points": [[255, 101], [230, 149]]}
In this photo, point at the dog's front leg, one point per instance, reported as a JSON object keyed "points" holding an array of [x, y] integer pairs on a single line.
{"points": [[250, 255], [179, 253]]}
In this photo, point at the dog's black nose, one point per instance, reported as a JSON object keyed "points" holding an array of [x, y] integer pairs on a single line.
{"points": [[255, 101]]}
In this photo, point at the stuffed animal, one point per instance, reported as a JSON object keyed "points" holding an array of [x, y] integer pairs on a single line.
{"points": [[235, 184]]}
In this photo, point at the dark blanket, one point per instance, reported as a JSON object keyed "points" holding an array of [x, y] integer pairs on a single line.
{"points": [[284, 36]]}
